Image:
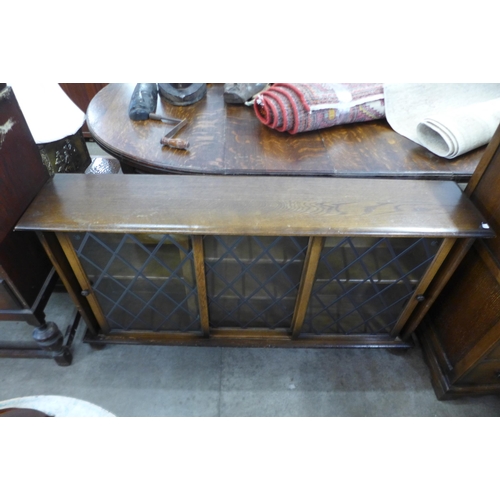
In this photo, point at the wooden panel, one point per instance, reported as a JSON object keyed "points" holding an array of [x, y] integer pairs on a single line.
{"points": [[468, 308], [487, 372], [83, 281], [421, 289], [253, 206], [62, 266], [7, 298], [495, 353], [486, 198], [247, 338], [462, 328], [22, 172]]}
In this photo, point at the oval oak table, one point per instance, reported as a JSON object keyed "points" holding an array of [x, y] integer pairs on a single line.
{"points": [[229, 139]]}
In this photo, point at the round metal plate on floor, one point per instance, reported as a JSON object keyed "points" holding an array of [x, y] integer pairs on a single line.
{"points": [[57, 406]]}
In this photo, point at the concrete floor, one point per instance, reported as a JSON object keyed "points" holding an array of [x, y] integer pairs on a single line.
{"points": [[229, 382]]}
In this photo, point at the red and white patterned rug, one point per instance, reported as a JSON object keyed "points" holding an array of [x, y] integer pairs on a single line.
{"points": [[300, 107]]}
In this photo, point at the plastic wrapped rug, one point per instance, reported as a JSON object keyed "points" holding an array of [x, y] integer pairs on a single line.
{"points": [[301, 107]]}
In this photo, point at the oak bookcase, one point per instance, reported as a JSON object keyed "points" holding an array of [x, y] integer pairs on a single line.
{"points": [[253, 261]]}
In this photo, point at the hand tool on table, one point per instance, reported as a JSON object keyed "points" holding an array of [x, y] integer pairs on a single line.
{"points": [[175, 143], [143, 106]]}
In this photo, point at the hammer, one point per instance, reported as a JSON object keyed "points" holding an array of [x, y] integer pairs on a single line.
{"points": [[143, 106]]}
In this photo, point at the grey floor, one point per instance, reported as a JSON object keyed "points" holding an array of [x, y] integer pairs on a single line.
{"points": [[209, 382], [229, 382]]}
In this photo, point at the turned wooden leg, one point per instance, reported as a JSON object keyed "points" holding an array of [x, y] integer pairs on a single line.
{"points": [[49, 338]]}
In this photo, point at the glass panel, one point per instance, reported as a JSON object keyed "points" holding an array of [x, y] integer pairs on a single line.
{"points": [[363, 284], [142, 281], [253, 281]]}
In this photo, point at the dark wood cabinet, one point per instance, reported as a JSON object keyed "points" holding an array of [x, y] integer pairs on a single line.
{"points": [[251, 261], [27, 276], [461, 332]]}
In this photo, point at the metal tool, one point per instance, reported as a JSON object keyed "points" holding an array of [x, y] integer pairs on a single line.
{"points": [[143, 104], [175, 143], [143, 107]]}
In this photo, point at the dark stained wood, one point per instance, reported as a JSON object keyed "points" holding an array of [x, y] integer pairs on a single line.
{"points": [[255, 338], [229, 139], [27, 277], [253, 206], [55, 253], [421, 289], [256, 205], [23, 263], [457, 253], [83, 287], [462, 328], [22, 173]]}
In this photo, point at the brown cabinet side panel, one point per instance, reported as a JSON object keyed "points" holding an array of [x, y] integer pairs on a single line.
{"points": [[22, 173], [467, 309], [486, 198], [485, 373], [8, 300]]}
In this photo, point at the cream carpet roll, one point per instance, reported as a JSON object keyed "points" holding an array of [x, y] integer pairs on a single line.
{"points": [[457, 131], [449, 119]]}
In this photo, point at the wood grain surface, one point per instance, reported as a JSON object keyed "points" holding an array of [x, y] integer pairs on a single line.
{"points": [[22, 173], [229, 139], [254, 205]]}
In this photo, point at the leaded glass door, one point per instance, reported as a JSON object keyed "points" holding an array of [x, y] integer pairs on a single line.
{"points": [[363, 284], [141, 281], [302, 287]]}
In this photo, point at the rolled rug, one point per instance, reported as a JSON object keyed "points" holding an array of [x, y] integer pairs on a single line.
{"points": [[301, 107], [457, 131], [449, 119]]}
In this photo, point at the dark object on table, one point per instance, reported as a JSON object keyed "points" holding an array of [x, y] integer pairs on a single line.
{"points": [[240, 93], [182, 94], [143, 101], [224, 139], [143, 104]]}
